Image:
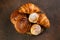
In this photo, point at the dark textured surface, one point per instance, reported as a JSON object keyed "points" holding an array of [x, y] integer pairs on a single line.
{"points": [[50, 7]]}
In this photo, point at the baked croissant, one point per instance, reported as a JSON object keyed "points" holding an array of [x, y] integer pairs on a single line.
{"points": [[20, 22], [29, 8], [43, 20]]}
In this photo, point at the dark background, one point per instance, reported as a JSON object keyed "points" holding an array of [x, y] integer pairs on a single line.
{"points": [[50, 7]]}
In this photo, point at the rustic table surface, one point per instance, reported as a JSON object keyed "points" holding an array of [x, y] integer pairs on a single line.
{"points": [[50, 7]]}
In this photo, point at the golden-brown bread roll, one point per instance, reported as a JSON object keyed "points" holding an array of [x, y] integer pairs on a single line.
{"points": [[20, 22], [22, 25], [15, 16], [29, 8]]}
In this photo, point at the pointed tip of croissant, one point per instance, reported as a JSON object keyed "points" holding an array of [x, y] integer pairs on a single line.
{"points": [[48, 24]]}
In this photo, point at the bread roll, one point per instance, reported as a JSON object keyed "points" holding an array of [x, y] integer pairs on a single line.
{"points": [[22, 25], [33, 17], [35, 29], [20, 22]]}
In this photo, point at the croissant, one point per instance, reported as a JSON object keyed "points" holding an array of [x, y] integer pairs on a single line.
{"points": [[29, 8], [20, 22], [39, 18], [43, 20]]}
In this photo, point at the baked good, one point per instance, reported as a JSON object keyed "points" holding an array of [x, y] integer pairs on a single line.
{"points": [[20, 22], [29, 8], [29, 19]]}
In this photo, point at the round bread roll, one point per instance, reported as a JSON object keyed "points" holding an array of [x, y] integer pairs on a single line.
{"points": [[35, 29], [22, 25], [33, 17], [20, 22]]}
